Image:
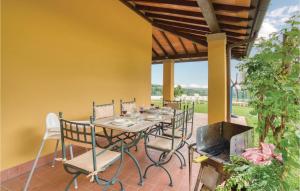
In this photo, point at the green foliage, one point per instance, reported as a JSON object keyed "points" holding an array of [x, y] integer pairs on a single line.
{"points": [[156, 90], [250, 177], [178, 91], [291, 155], [273, 82]]}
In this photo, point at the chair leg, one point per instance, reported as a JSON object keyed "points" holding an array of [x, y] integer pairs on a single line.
{"points": [[55, 154], [146, 170], [171, 182], [181, 164], [72, 180], [71, 155], [34, 166], [121, 185], [184, 161]]}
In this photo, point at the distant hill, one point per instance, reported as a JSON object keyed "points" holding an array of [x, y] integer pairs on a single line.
{"points": [[157, 91]]}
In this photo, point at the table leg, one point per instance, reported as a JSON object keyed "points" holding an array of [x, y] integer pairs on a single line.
{"points": [[136, 163]]}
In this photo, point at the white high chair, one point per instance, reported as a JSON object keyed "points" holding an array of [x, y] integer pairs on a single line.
{"points": [[52, 132]]}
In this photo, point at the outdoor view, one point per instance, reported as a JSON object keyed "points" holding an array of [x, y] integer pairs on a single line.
{"points": [[265, 91]]}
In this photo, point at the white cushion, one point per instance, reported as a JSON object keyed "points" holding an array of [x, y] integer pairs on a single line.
{"points": [[164, 144], [104, 111], [85, 160]]}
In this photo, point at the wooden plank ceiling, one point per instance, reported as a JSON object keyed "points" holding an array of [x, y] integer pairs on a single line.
{"points": [[180, 27]]}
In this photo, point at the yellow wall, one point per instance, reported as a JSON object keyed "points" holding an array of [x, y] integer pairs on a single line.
{"points": [[168, 80], [60, 56], [0, 88], [217, 72]]}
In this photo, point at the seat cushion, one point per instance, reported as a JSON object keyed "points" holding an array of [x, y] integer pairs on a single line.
{"points": [[85, 160], [163, 143], [103, 111]]}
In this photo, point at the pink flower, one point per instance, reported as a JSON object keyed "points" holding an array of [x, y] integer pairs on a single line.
{"points": [[262, 155]]}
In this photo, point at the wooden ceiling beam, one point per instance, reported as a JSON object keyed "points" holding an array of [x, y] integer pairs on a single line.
{"points": [[217, 6], [169, 42], [132, 7], [186, 30], [182, 25], [155, 53], [160, 46], [194, 27], [199, 32], [209, 15], [181, 60], [192, 38], [203, 37], [192, 21], [190, 13], [183, 46], [196, 48], [176, 18], [181, 56]]}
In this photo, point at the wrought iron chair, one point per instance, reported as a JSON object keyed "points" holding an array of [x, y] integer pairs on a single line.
{"points": [[187, 130], [101, 111], [167, 129], [172, 104], [129, 106], [167, 145], [93, 162], [189, 122], [52, 132]]}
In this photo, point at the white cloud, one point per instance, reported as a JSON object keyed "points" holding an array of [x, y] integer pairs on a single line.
{"points": [[276, 19], [266, 29]]}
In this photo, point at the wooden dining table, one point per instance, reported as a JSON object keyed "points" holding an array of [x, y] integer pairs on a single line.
{"points": [[137, 124]]}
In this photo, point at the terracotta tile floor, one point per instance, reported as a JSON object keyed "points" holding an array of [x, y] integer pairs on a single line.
{"points": [[48, 178]]}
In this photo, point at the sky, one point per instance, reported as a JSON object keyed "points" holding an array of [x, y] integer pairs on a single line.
{"points": [[195, 74]]}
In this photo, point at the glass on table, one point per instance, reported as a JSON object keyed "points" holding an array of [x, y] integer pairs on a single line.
{"points": [[123, 113], [141, 110]]}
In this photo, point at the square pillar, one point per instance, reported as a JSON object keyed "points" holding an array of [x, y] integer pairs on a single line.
{"points": [[168, 80], [217, 78]]}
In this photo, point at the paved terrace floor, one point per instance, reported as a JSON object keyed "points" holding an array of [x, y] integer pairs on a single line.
{"points": [[47, 178]]}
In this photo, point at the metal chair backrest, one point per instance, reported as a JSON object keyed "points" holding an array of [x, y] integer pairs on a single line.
{"points": [[128, 106], [80, 133], [172, 104], [178, 122], [103, 110], [189, 121]]}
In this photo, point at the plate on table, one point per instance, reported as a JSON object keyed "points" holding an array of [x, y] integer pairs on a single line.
{"points": [[151, 111], [122, 122], [132, 115], [153, 118], [165, 112]]}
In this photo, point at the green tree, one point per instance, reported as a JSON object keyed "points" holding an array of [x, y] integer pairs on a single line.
{"points": [[273, 82], [178, 91]]}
